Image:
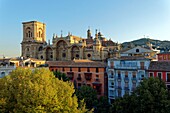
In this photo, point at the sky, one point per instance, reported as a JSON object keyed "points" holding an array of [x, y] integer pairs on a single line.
{"points": [[120, 20]]}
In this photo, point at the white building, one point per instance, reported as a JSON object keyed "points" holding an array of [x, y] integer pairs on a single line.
{"points": [[5, 70], [124, 74]]}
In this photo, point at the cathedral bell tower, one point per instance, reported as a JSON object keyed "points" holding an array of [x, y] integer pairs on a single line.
{"points": [[33, 38]]}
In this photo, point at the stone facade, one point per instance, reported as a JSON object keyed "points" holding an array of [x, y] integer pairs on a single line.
{"points": [[70, 47]]}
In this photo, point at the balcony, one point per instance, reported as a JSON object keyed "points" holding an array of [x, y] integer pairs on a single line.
{"points": [[134, 80], [118, 79], [119, 87], [97, 80], [70, 75], [79, 78], [111, 87], [126, 79], [126, 88], [134, 67], [133, 88], [88, 76]]}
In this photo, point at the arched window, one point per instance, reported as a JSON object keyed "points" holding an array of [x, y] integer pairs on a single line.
{"points": [[137, 50], [40, 48], [41, 57], [29, 34], [39, 34]]}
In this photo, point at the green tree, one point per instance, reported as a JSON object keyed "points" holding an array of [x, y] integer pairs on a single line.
{"points": [[151, 96], [61, 76], [88, 94], [102, 105], [36, 91]]}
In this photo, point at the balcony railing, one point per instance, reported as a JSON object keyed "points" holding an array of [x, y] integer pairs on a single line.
{"points": [[111, 86], [97, 80], [119, 79], [126, 79], [119, 87], [129, 67], [126, 88], [133, 88], [134, 80], [111, 76], [78, 78], [88, 76]]}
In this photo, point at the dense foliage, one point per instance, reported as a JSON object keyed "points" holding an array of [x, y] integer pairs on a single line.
{"points": [[36, 91], [88, 94], [151, 96], [61, 76]]}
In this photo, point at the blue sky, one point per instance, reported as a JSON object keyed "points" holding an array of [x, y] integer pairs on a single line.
{"points": [[120, 20]]}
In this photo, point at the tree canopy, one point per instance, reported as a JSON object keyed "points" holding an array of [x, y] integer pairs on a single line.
{"points": [[61, 76], [88, 94], [36, 91], [151, 96]]}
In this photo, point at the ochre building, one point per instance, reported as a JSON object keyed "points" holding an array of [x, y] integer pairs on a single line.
{"points": [[83, 72], [65, 48]]}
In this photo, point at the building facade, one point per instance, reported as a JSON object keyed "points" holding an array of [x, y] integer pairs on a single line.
{"points": [[83, 72], [139, 51], [63, 48], [125, 74], [6, 70], [161, 68]]}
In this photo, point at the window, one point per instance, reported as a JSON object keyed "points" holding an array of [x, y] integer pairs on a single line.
{"points": [[79, 69], [29, 34], [126, 84], [2, 74], [134, 85], [126, 74], [77, 55], [168, 77], [168, 57], [150, 74], [97, 70], [164, 57], [79, 85], [112, 73], [88, 69], [137, 50], [119, 74], [119, 93], [134, 74], [41, 57], [111, 64], [63, 69], [64, 55], [159, 75], [119, 84], [89, 85], [70, 68], [88, 55], [39, 34]]}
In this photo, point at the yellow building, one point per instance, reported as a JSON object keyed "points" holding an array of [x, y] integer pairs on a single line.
{"points": [[69, 47]]}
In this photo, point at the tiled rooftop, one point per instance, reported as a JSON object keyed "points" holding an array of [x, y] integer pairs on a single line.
{"points": [[164, 53], [159, 66], [76, 63]]}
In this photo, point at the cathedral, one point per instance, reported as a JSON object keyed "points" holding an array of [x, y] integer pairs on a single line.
{"points": [[65, 48]]}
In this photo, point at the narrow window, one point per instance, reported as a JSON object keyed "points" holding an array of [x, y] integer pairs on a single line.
{"points": [[97, 70], [79, 69]]}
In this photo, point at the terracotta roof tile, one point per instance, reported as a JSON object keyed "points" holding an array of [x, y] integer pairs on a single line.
{"points": [[159, 66], [76, 63]]}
